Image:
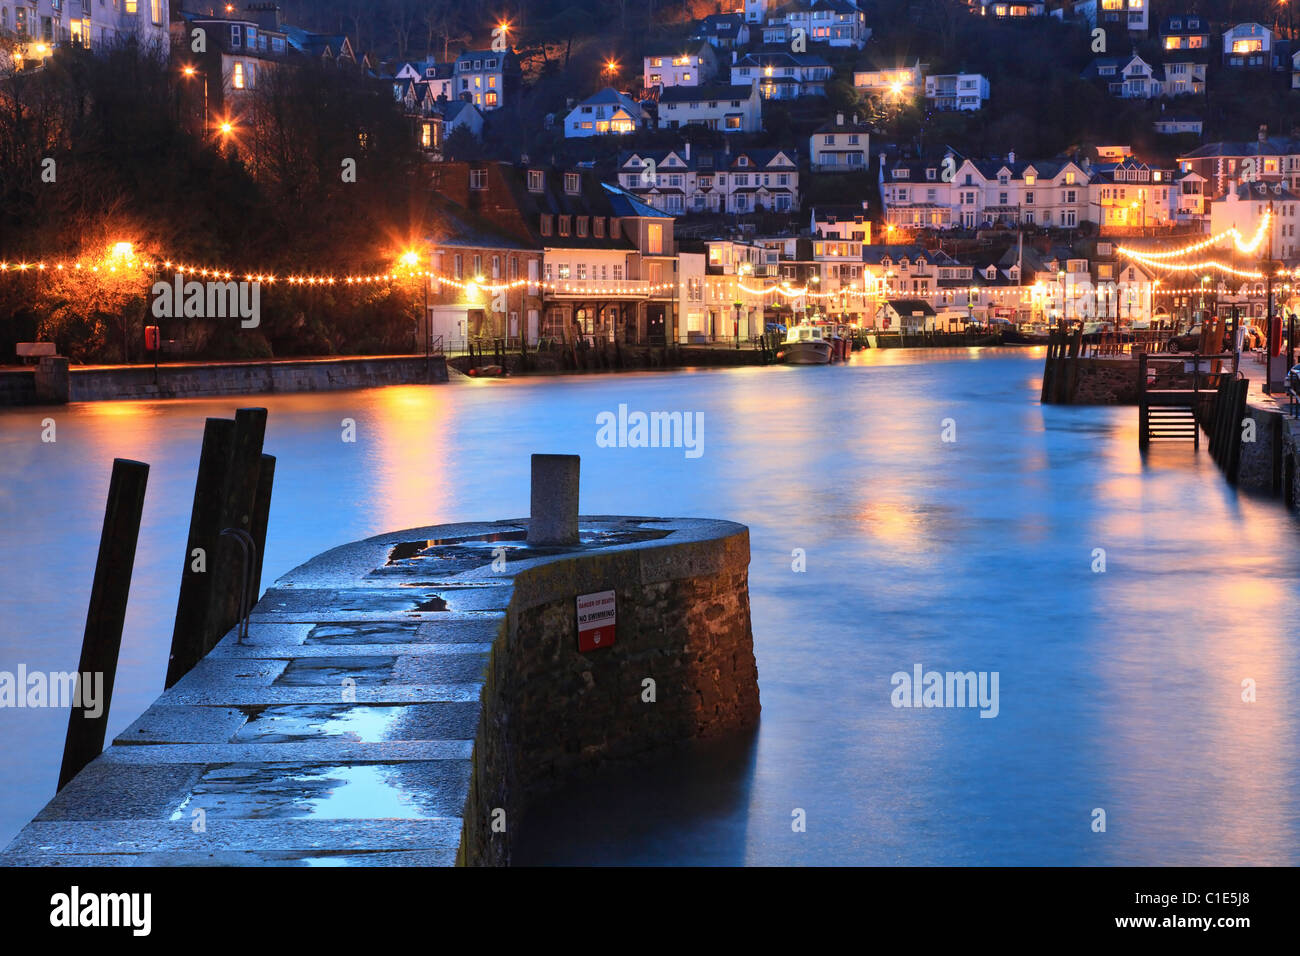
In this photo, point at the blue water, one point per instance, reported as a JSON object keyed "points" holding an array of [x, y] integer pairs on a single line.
{"points": [[1119, 690]]}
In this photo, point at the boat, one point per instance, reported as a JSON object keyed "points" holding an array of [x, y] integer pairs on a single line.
{"points": [[807, 345]]}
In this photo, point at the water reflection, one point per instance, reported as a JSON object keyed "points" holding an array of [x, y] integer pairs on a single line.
{"points": [[1120, 689]]}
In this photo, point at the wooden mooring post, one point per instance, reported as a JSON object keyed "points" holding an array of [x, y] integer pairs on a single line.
{"points": [[230, 492], [102, 641]]}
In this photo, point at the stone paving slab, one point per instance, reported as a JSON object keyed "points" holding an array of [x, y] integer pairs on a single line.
{"points": [[163, 838]]}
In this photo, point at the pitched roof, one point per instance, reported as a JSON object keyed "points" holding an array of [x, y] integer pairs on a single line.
{"points": [[695, 94]]}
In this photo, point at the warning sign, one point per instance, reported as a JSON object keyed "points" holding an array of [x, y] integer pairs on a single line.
{"points": [[596, 620]]}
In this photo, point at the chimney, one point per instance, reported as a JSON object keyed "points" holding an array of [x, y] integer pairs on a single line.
{"points": [[1011, 156], [688, 150], [1263, 133]]}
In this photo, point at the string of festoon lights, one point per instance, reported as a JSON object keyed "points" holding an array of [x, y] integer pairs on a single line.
{"points": [[604, 287], [1171, 259]]}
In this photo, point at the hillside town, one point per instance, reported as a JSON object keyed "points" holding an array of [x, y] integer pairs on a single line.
{"points": [[720, 185]]}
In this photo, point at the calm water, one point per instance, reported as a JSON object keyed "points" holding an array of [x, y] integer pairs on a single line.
{"points": [[1118, 690]]}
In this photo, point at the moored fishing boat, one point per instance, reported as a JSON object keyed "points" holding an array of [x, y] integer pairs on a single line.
{"points": [[807, 345]]}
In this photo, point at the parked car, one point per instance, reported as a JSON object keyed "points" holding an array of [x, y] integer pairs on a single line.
{"points": [[1190, 341]]}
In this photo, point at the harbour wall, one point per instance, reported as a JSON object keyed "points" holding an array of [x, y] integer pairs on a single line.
{"points": [[682, 668], [55, 382]]}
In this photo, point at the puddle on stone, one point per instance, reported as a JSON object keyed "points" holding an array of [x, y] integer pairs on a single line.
{"points": [[360, 723], [456, 555], [346, 792], [357, 722], [331, 671], [384, 633]]}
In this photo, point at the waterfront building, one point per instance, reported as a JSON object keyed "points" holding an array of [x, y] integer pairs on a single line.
{"points": [[1051, 193]]}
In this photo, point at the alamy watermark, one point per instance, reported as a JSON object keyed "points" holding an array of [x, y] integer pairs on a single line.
{"points": [[922, 688], [179, 299], [55, 689], [651, 430]]}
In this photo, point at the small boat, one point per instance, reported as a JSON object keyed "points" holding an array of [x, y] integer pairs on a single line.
{"points": [[806, 345]]}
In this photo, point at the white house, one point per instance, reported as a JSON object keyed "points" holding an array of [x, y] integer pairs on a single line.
{"points": [[837, 23], [730, 109], [1052, 193], [1248, 46], [957, 91], [1128, 14], [845, 222], [1128, 77], [693, 66], [839, 146], [782, 76], [1174, 124], [679, 181], [756, 11], [604, 113], [459, 114]]}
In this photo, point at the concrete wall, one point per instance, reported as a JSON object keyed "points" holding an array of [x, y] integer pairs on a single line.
{"points": [[18, 387], [242, 378], [550, 712]]}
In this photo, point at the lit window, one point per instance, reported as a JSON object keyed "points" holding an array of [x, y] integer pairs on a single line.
{"points": [[237, 78], [130, 6], [654, 239]]}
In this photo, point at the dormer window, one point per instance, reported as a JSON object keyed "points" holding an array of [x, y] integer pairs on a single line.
{"points": [[930, 173], [572, 183], [902, 173], [546, 224], [564, 225], [582, 225], [598, 227], [742, 161], [536, 180]]}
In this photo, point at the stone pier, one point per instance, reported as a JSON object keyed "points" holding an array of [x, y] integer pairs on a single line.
{"points": [[401, 699]]}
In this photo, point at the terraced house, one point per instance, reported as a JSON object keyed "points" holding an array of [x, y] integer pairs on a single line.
{"points": [[42, 25], [680, 181], [1051, 193]]}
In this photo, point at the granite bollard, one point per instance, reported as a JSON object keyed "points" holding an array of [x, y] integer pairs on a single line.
{"points": [[553, 517]]}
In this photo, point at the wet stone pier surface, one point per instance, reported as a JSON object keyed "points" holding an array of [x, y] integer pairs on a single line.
{"points": [[340, 733]]}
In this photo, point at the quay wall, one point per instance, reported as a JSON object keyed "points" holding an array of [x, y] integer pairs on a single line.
{"points": [[682, 668], [74, 384]]}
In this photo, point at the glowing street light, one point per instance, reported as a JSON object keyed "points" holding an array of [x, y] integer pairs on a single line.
{"points": [[410, 258], [122, 250]]}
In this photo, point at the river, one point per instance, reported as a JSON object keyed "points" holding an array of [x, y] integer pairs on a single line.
{"points": [[1120, 669]]}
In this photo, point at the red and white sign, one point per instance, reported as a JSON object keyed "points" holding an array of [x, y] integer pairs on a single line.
{"points": [[596, 620]]}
